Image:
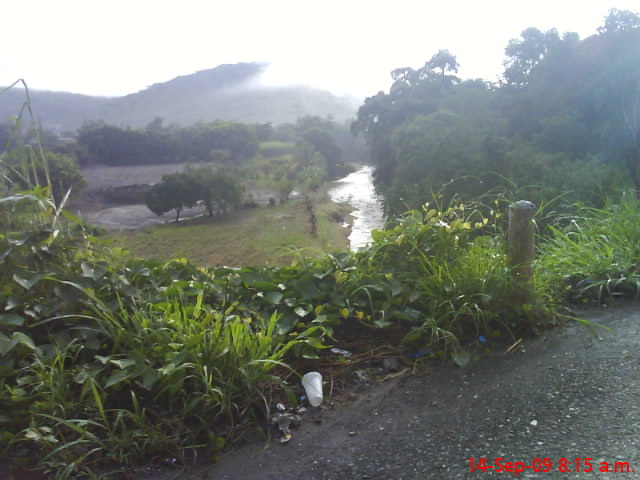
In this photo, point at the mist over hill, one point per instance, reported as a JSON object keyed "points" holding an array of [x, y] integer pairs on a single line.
{"points": [[227, 92]]}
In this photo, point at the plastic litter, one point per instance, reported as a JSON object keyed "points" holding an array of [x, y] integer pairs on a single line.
{"points": [[423, 352], [341, 352], [312, 383], [284, 421]]}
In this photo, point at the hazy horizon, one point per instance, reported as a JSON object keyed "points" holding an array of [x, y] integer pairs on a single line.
{"points": [[347, 48]]}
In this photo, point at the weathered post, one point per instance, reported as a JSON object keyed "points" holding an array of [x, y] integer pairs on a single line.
{"points": [[521, 247]]}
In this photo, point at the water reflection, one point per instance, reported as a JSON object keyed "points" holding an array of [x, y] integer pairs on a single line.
{"points": [[356, 189]]}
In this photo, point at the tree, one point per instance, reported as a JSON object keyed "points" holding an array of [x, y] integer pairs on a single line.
{"points": [[217, 190], [445, 62], [413, 93], [376, 120], [204, 139], [319, 134], [403, 79], [525, 54], [176, 191], [632, 159], [619, 21]]}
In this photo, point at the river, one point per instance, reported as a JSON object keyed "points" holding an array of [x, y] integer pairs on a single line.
{"points": [[357, 190]]}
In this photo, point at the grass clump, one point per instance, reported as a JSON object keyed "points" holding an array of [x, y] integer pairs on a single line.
{"points": [[595, 256], [171, 380]]}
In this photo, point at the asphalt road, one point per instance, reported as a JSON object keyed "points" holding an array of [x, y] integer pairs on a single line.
{"points": [[568, 398]]}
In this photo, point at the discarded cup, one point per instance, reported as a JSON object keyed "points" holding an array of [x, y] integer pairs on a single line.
{"points": [[312, 383]]}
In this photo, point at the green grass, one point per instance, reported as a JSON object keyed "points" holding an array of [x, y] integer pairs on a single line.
{"points": [[260, 236], [274, 149], [594, 257]]}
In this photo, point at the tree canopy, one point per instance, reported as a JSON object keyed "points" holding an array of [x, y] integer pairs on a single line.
{"points": [[562, 103], [217, 190], [225, 142]]}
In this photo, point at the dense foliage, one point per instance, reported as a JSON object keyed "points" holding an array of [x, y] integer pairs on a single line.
{"points": [[218, 141], [563, 103], [224, 143]]}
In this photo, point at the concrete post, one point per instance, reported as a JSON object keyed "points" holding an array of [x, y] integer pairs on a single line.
{"points": [[521, 247]]}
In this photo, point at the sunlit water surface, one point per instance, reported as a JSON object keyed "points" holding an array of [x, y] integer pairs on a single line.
{"points": [[356, 189]]}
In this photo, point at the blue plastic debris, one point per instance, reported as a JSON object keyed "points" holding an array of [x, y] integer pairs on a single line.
{"points": [[420, 353]]}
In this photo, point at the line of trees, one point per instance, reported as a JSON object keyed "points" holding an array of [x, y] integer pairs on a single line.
{"points": [[220, 141]]}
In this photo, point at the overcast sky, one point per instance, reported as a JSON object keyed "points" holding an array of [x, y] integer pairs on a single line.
{"points": [[116, 47]]}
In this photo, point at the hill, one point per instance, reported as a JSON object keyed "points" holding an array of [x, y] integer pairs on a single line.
{"points": [[227, 92]]}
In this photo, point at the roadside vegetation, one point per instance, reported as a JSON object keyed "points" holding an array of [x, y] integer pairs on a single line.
{"points": [[109, 360]]}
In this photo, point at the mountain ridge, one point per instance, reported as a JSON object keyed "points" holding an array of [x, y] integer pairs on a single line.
{"points": [[227, 92]]}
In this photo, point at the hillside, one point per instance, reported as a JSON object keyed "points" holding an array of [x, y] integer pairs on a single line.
{"points": [[57, 111], [227, 92]]}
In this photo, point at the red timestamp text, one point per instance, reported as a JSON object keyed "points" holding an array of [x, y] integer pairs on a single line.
{"points": [[544, 465]]}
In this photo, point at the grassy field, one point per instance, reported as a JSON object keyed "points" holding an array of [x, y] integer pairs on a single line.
{"points": [[259, 236]]}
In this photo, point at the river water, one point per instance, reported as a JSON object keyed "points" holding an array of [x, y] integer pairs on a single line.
{"points": [[357, 190]]}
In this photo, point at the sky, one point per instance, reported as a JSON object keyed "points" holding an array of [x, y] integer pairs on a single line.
{"points": [[117, 47]]}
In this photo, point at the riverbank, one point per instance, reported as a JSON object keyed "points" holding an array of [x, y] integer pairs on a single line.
{"points": [[272, 235], [338, 216]]}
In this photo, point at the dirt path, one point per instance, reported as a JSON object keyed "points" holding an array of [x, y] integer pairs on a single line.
{"points": [[567, 394]]}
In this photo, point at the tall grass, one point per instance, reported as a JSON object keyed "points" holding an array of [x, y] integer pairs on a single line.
{"points": [[27, 108], [168, 380], [596, 256]]}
